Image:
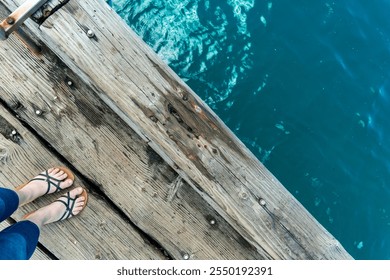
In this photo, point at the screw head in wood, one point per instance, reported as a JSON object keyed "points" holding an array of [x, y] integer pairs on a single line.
{"points": [[186, 256], [70, 83], [262, 202], [38, 112], [13, 132], [212, 222], [90, 33]]}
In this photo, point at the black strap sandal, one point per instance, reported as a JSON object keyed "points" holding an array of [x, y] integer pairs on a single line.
{"points": [[70, 203], [50, 180]]}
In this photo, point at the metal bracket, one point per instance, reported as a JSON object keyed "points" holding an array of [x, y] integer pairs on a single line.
{"points": [[16, 19]]}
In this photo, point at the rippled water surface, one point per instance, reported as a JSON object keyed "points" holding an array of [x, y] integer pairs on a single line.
{"points": [[305, 85]]}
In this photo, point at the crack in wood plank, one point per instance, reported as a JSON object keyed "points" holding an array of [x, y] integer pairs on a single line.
{"points": [[132, 69], [130, 172]]}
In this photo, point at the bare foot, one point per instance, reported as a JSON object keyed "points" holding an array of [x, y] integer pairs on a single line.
{"points": [[48, 181], [63, 208]]}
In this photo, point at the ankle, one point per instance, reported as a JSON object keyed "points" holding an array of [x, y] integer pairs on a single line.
{"points": [[23, 197], [36, 219]]}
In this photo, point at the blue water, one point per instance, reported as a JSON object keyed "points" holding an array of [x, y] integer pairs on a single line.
{"points": [[305, 85]]}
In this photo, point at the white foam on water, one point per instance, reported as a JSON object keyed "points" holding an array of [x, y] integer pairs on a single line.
{"points": [[169, 27], [182, 36]]}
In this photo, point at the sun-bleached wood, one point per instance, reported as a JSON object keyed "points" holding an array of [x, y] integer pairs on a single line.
{"points": [[97, 233], [112, 156], [144, 92]]}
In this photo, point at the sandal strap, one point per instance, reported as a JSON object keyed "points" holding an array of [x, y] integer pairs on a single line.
{"points": [[69, 204], [49, 179]]}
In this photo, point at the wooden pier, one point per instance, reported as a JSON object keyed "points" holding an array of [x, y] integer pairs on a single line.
{"points": [[167, 179]]}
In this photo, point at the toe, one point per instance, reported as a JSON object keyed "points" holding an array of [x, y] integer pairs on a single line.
{"points": [[53, 171], [61, 176], [58, 173], [78, 191], [80, 202], [66, 184], [77, 209], [75, 192]]}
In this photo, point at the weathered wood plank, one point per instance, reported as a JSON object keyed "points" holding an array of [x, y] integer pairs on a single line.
{"points": [[150, 97], [38, 254], [102, 147], [98, 233]]}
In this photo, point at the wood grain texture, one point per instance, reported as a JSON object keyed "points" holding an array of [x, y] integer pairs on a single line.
{"points": [[97, 233], [111, 155], [143, 91]]}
